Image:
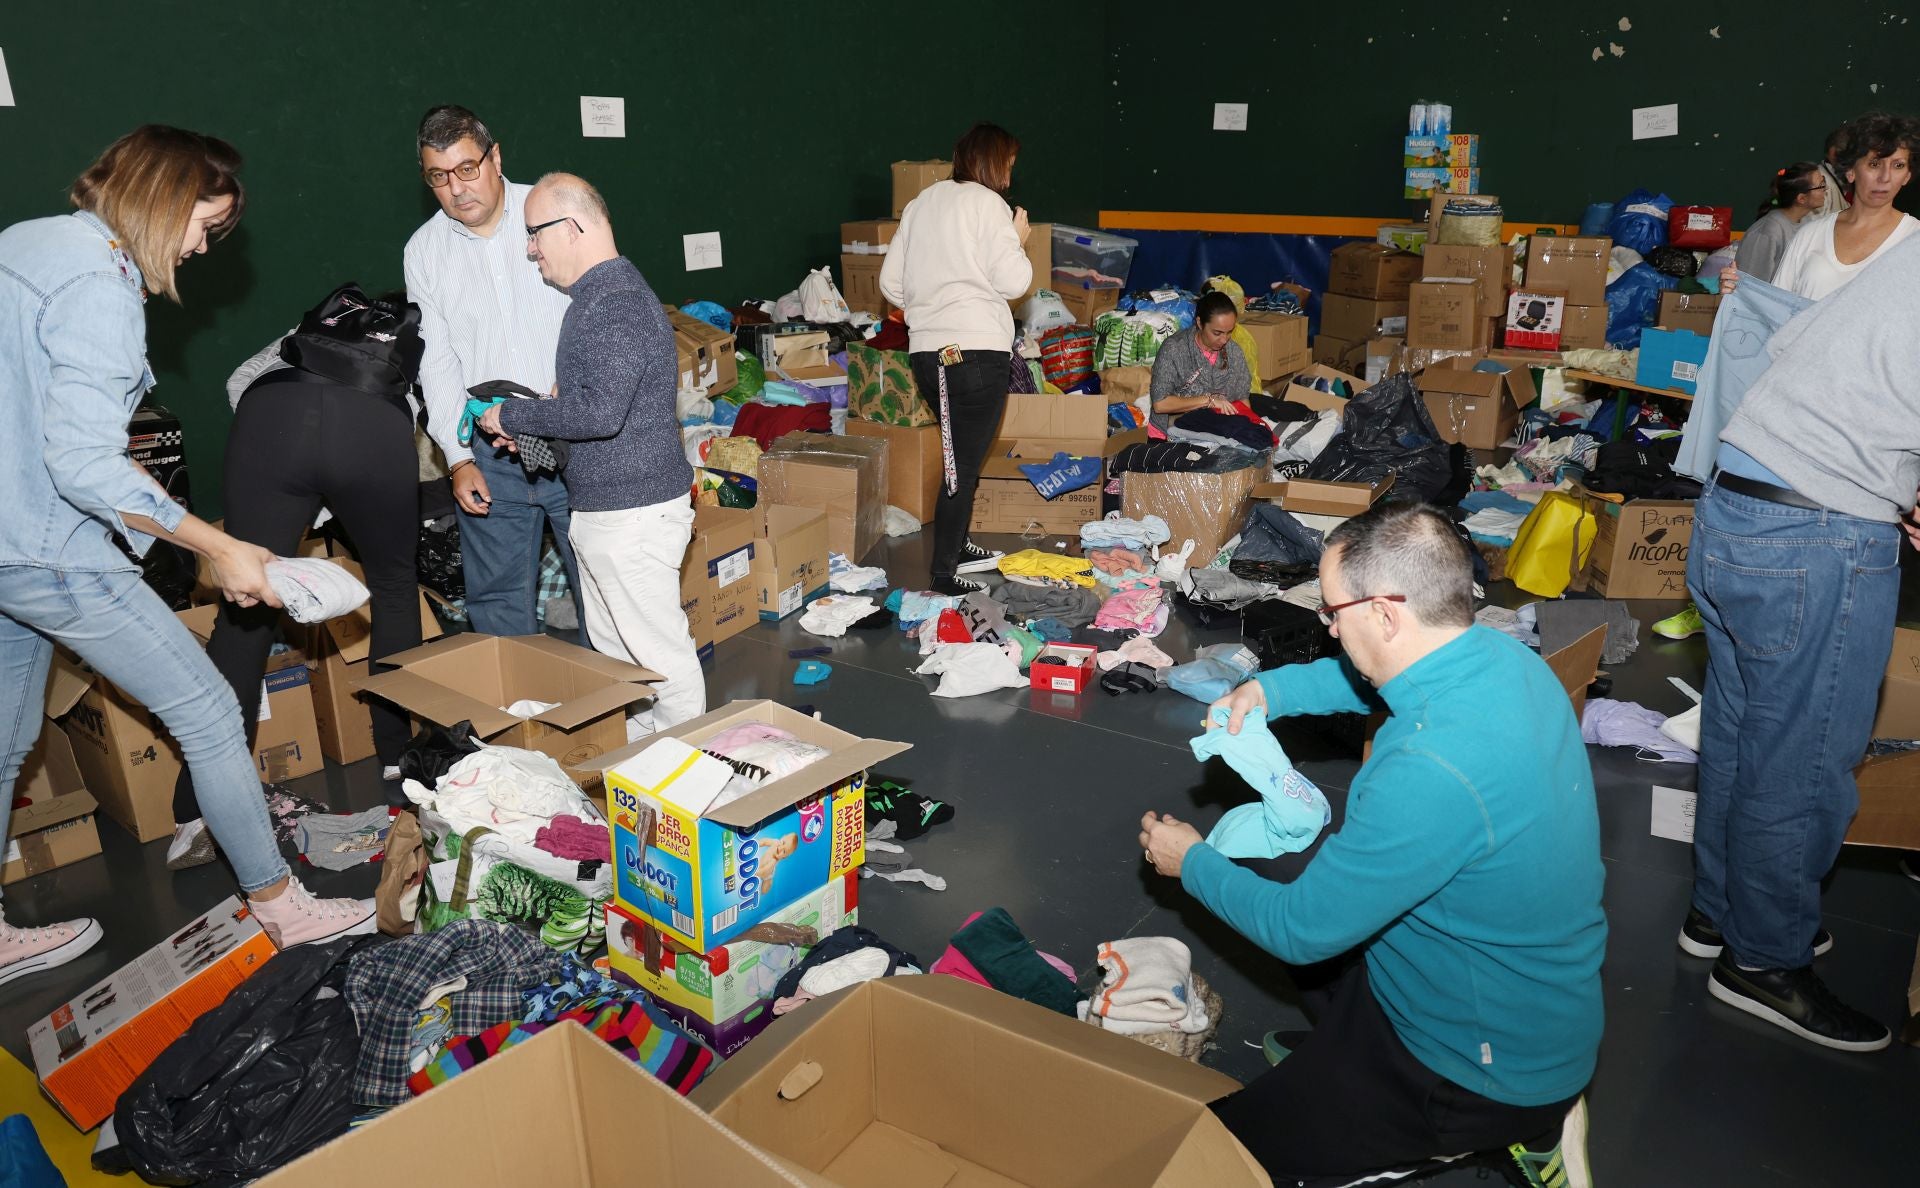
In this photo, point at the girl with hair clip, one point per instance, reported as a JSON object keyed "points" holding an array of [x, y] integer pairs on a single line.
{"points": [[1797, 191]]}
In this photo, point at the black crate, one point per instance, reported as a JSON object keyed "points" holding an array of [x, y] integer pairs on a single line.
{"points": [[1283, 633]]}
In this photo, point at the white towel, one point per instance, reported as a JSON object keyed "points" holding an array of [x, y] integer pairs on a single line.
{"points": [[1193, 1022], [1145, 979], [313, 590]]}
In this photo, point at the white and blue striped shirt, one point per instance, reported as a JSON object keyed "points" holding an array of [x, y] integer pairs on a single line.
{"points": [[485, 314]]}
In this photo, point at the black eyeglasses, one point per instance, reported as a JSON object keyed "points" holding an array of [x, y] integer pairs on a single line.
{"points": [[533, 232], [465, 171], [1327, 613]]}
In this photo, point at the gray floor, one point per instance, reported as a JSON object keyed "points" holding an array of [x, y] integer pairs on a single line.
{"points": [[1049, 792]]}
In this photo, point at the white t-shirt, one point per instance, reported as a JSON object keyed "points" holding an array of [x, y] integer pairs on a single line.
{"points": [[1809, 266]]}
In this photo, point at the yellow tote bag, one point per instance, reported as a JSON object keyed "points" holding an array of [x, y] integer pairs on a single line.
{"points": [[1552, 546]]}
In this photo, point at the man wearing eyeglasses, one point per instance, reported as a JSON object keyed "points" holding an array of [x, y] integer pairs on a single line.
{"points": [[1458, 904], [628, 474], [485, 314]]}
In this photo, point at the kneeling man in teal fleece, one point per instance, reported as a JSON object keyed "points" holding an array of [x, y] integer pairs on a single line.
{"points": [[1455, 916]]}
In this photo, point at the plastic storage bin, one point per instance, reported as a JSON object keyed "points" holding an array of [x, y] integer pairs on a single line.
{"points": [[1087, 259]]}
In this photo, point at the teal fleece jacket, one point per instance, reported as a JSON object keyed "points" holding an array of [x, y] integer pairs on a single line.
{"points": [[1468, 866]]}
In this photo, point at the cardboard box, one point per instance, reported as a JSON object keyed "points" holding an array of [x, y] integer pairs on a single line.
{"points": [[1475, 408], [1489, 267], [860, 284], [911, 177], [801, 355], [1356, 319], [712, 350], [1302, 391], [1899, 715], [722, 996], [1072, 675], [1443, 313], [1347, 354], [1671, 359], [1039, 248], [337, 659], [1403, 237], [51, 822], [1282, 342], [718, 570], [1640, 548], [1575, 263], [1125, 385], [602, 1121], [847, 1089], [130, 763], [789, 558], [1206, 508], [1688, 311], [914, 467], [1379, 355], [88, 1051], [1583, 328], [1459, 150], [1035, 427], [1314, 497], [1371, 271], [1534, 317], [1427, 182], [867, 237], [845, 477], [1085, 304], [701, 879], [1889, 813], [468, 677], [881, 388]]}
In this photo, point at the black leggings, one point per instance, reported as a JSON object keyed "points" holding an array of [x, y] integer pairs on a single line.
{"points": [[976, 400], [297, 443]]}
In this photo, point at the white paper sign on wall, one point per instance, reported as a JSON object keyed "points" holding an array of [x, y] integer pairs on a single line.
{"points": [[1650, 123], [603, 115], [702, 250], [1229, 117]]}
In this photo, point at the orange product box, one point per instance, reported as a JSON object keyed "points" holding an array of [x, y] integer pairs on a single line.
{"points": [[92, 1048]]}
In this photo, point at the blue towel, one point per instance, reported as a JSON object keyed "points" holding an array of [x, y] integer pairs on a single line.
{"points": [[1291, 812]]}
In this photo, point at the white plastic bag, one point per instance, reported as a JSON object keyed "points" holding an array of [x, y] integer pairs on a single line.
{"points": [[820, 301], [691, 405], [1043, 311]]}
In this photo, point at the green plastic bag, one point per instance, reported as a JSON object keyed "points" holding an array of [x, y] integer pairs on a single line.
{"points": [[753, 377]]}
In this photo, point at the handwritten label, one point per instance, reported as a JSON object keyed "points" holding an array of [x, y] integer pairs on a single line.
{"points": [[603, 115], [702, 250], [1229, 117], [1650, 123], [1672, 814]]}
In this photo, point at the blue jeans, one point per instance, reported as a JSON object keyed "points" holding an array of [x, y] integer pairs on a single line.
{"points": [[500, 551], [120, 627], [1799, 610]]}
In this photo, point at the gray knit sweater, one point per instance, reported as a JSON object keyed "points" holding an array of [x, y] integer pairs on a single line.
{"points": [[617, 375], [1181, 370]]}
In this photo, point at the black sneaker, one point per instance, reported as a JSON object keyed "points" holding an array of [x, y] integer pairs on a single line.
{"points": [[978, 558], [1699, 937], [957, 586], [1797, 1001], [1910, 865]]}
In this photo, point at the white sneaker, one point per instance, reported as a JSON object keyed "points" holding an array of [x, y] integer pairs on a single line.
{"points": [[191, 846], [390, 772], [295, 917], [26, 951]]}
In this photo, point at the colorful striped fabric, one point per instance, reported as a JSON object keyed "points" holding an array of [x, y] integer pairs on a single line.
{"points": [[630, 1027]]}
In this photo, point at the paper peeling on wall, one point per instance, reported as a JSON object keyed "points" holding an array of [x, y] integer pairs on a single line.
{"points": [[1625, 24]]}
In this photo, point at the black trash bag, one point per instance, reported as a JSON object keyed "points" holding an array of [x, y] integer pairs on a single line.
{"points": [[1385, 430], [1673, 261], [256, 1082], [429, 754], [438, 558]]}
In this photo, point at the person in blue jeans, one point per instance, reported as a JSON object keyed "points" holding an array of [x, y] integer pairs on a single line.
{"points": [[1795, 568], [486, 314], [73, 368]]}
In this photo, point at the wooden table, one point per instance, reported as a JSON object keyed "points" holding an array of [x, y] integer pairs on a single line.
{"points": [[1620, 389]]}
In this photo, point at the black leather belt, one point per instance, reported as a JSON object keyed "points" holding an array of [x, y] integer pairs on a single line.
{"points": [[1756, 489]]}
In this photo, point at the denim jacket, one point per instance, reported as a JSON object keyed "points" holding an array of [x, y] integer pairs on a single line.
{"points": [[73, 367]]}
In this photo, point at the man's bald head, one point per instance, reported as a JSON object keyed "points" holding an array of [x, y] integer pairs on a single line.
{"points": [[572, 195], [568, 228]]}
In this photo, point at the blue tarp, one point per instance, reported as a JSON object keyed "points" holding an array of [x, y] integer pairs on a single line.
{"points": [[1257, 261]]}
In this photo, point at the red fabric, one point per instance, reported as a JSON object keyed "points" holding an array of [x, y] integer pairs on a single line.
{"points": [[892, 336], [951, 628], [766, 422]]}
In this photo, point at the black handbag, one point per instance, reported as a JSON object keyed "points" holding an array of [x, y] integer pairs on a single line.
{"points": [[359, 342]]}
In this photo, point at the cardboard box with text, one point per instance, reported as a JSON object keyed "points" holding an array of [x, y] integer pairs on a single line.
{"points": [[789, 558]]}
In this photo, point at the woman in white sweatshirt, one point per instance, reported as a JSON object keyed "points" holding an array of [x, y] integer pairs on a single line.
{"points": [[957, 258]]}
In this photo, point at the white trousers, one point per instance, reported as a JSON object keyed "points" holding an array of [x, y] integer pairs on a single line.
{"points": [[630, 598]]}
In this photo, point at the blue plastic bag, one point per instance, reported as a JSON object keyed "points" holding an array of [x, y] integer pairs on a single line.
{"points": [[1640, 221], [1632, 303], [710, 312], [1180, 305], [1215, 671], [23, 1161]]}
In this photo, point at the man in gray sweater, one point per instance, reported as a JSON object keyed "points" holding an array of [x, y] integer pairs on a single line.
{"points": [[628, 478], [1795, 567]]}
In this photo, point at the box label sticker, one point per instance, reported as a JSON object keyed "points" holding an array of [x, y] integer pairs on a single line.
{"points": [[1699, 222], [733, 567], [1672, 814], [266, 703], [1683, 370], [1065, 683], [791, 598], [13, 852]]}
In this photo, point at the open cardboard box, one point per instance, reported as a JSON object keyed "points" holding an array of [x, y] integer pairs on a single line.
{"points": [[1478, 409], [337, 657], [1314, 497], [935, 1081], [692, 875], [803, 357], [51, 823], [562, 1108], [1300, 393], [469, 677], [1035, 427], [1208, 509]]}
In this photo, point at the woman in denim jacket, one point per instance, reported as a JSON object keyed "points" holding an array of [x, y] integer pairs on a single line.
{"points": [[72, 369]]}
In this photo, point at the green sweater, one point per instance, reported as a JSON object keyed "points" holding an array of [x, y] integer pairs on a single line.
{"points": [[1468, 866]]}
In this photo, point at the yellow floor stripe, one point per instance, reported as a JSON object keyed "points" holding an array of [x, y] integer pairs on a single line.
{"points": [[70, 1150]]}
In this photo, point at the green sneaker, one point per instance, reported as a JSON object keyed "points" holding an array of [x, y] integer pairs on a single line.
{"points": [[1278, 1045], [1565, 1166], [1682, 625]]}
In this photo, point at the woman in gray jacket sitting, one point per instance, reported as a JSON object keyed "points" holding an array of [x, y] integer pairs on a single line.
{"points": [[1201, 367]]}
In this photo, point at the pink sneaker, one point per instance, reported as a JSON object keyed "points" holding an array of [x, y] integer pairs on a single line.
{"points": [[295, 917], [26, 951]]}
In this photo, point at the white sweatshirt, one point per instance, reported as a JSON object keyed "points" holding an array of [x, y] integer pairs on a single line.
{"points": [[953, 265]]}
